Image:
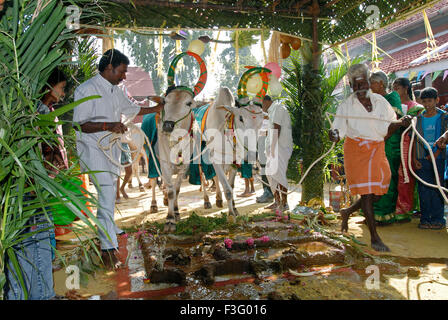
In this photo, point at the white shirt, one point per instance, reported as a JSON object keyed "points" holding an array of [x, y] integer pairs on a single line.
{"points": [[109, 108], [368, 129], [279, 114]]}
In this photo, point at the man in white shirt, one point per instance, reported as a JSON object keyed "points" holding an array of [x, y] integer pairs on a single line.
{"points": [[97, 117], [366, 166], [279, 147]]}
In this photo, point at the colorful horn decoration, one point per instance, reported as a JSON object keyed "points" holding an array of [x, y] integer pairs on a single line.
{"points": [[203, 69], [264, 72]]}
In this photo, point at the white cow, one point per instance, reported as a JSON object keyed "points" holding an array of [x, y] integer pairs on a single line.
{"points": [[177, 122]]}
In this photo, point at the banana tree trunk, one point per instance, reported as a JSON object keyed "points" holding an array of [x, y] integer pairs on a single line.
{"points": [[312, 136], [313, 122]]}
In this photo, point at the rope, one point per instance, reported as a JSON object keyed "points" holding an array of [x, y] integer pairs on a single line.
{"points": [[414, 129]]}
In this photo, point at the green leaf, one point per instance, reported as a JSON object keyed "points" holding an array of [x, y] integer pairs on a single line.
{"points": [[52, 115]]}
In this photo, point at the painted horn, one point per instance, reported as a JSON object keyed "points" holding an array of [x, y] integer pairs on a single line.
{"points": [[242, 90], [202, 77]]}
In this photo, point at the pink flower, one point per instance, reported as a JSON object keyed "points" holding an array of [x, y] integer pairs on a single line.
{"points": [[277, 212], [139, 233], [250, 242], [264, 239], [125, 236], [228, 242], [285, 217]]}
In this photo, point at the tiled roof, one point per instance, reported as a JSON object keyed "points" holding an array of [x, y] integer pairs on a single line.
{"points": [[430, 12], [402, 59]]}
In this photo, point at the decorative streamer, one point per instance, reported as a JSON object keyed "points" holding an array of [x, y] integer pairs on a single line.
{"points": [[431, 43], [420, 75], [160, 54], [346, 51], [212, 58], [274, 47], [160, 58], [237, 57], [180, 65], [412, 75], [435, 75], [375, 61], [445, 74], [263, 48], [426, 73]]}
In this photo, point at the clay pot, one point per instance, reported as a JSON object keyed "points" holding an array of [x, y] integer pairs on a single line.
{"points": [[286, 50], [296, 43]]}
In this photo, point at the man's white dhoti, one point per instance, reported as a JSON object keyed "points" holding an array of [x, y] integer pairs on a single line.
{"points": [[276, 168], [109, 108], [277, 161]]}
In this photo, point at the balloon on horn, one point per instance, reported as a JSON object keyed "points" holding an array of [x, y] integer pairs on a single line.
{"points": [[196, 46], [242, 84], [202, 77]]}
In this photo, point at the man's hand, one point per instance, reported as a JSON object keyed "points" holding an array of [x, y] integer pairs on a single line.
{"points": [[156, 99], [333, 135], [116, 127], [441, 142], [406, 121]]}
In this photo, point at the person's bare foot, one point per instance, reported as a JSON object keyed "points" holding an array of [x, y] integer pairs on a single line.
{"points": [[273, 206], [110, 260], [378, 245], [125, 195], [244, 194], [344, 215]]}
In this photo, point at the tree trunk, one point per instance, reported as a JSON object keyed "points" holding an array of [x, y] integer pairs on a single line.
{"points": [[313, 122]]}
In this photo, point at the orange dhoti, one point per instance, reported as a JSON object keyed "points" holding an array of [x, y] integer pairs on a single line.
{"points": [[366, 166]]}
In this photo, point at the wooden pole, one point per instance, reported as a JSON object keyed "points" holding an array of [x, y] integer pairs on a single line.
{"points": [[315, 10]]}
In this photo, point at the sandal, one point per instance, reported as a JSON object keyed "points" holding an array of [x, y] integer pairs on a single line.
{"points": [[438, 226], [424, 226]]}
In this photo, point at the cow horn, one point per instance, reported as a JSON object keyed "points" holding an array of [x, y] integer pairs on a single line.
{"points": [[202, 77]]}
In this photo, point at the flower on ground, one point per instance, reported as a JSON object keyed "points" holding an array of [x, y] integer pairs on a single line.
{"points": [[264, 239], [250, 242], [228, 242]]}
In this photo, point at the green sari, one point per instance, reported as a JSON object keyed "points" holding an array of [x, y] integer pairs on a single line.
{"points": [[384, 209]]}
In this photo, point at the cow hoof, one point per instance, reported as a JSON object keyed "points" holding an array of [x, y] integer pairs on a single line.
{"points": [[141, 188], [129, 185], [219, 203], [154, 209], [176, 216], [169, 227], [165, 202], [207, 205]]}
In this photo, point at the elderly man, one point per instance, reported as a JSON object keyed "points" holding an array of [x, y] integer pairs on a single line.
{"points": [[279, 146], [365, 162], [96, 118]]}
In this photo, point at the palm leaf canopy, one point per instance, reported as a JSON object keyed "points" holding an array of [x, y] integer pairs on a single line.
{"points": [[339, 20]]}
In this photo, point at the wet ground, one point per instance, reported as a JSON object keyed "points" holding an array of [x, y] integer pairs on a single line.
{"points": [[415, 269]]}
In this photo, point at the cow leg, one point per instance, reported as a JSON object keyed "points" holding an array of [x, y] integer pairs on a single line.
{"points": [[170, 224], [228, 191], [232, 176], [176, 197], [136, 170], [207, 204], [219, 203], [154, 208]]}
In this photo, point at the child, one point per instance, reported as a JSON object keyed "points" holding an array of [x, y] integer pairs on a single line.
{"points": [[431, 124]]}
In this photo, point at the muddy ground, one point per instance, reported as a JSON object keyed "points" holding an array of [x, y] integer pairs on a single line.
{"points": [[420, 258]]}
